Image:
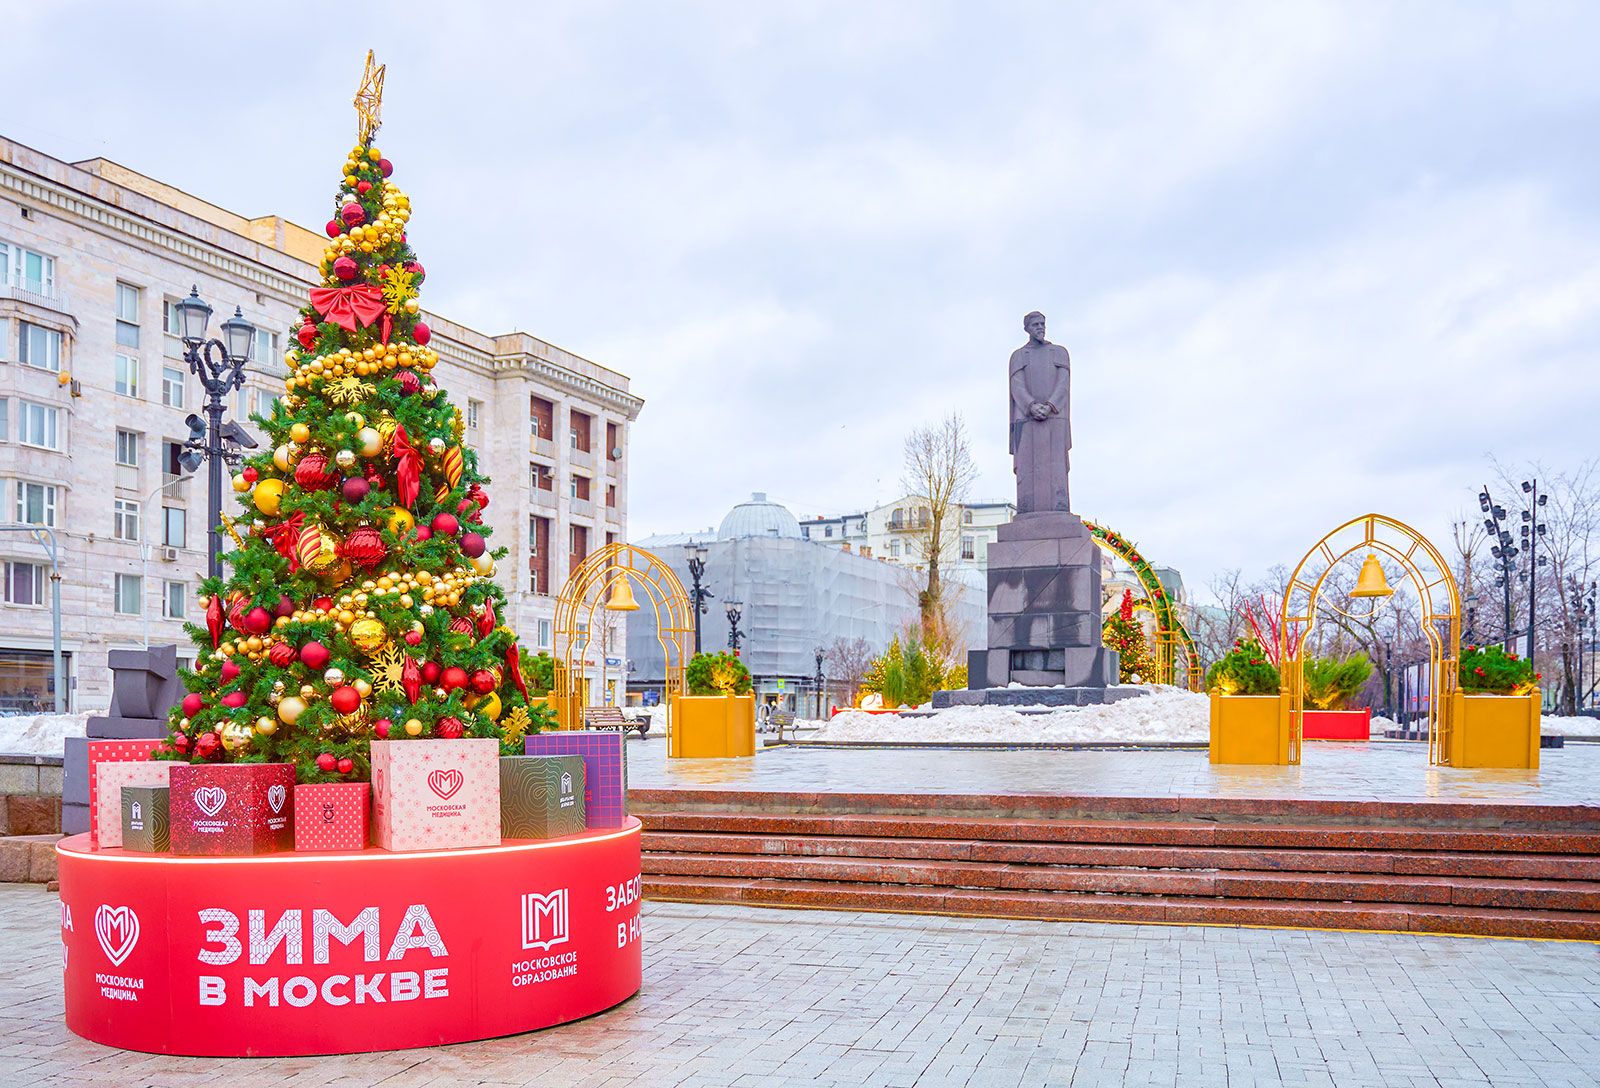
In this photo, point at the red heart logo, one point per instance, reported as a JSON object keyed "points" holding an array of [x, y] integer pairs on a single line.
{"points": [[445, 783]]}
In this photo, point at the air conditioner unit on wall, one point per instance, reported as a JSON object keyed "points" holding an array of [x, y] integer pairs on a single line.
{"points": [[169, 555]]}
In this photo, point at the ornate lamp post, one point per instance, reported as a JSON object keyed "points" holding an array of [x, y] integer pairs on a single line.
{"points": [[1533, 527], [1504, 551], [820, 699], [734, 637], [698, 595], [219, 364]]}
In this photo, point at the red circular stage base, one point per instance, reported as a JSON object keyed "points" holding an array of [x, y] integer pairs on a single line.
{"points": [[294, 954]]}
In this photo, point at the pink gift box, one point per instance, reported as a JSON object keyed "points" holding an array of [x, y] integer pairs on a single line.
{"points": [[109, 778], [436, 794], [112, 751], [331, 815]]}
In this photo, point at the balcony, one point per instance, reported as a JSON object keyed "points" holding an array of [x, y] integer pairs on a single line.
{"points": [[582, 508], [544, 447], [613, 466], [34, 293], [540, 499], [584, 458]]}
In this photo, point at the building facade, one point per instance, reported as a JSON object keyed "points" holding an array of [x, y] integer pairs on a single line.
{"points": [[895, 532], [94, 395]]}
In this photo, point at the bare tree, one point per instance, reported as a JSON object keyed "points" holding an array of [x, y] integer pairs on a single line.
{"points": [[846, 661], [939, 472]]}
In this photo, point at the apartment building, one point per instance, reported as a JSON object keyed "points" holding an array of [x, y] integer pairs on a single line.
{"points": [[94, 393], [894, 531]]}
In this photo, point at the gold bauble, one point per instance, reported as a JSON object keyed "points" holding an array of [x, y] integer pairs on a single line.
{"points": [[268, 494], [345, 459], [240, 484], [489, 706], [484, 564], [235, 736], [290, 708], [368, 636], [280, 457], [401, 521], [371, 441], [363, 688], [334, 676], [266, 726], [413, 727], [300, 433]]}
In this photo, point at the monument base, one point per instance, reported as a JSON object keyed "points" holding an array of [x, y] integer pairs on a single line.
{"points": [[1027, 696]]}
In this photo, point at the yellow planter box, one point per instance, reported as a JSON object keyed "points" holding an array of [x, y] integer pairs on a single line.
{"points": [[1494, 731], [1249, 729], [712, 726]]}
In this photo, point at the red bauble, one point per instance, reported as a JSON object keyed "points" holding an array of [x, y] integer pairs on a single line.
{"points": [[250, 474], [324, 603], [315, 473], [282, 655], [482, 681], [346, 766], [314, 655], [417, 270], [449, 728], [430, 671], [181, 742], [258, 621], [238, 606], [334, 228], [421, 333], [285, 606], [345, 699], [472, 545], [193, 704], [413, 638], [363, 187], [326, 761], [353, 214], [385, 167], [364, 547], [234, 700], [307, 335], [230, 671], [206, 743], [381, 727], [354, 489], [410, 384], [452, 678], [445, 524], [423, 533], [346, 269], [461, 625]]}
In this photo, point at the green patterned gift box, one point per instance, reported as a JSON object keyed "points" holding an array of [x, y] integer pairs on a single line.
{"points": [[541, 797], [145, 821]]}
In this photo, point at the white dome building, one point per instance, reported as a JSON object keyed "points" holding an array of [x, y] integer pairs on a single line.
{"points": [[759, 517]]}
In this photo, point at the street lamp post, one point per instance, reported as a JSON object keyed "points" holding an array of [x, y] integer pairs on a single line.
{"points": [[820, 700], [219, 364], [698, 594], [734, 637], [1533, 527], [1504, 552]]}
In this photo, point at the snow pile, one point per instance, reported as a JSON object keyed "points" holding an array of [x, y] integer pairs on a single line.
{"points": [[39, 734], [1580, 726], [1164, 715]]}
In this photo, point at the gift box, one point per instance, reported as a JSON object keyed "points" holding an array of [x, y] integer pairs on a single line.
{"points": [[331, 815], [232, 808], [112, 751], [541, 797], [145, 818], [605, 769], [435, 794], [110, 779]]}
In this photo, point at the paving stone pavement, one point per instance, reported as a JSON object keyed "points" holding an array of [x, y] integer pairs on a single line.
{"points": [[746, 998]]}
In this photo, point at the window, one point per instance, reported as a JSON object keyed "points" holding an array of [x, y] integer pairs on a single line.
{"points": [[172, 387], [28, 270], [611, 496], [540, 477], [127, 381], [5, 418], [265, 403], [966, 517], [894, 547], [38, 346], [174, 529], [36, 425], [127, 591], [544, 633], [613, 442], [827, 530], [541, 417], [582, 425], [171, 322], [127, 315], [473, 408], [969, 548], [36, 503], [264, 348], [580, 487], [24, 583], [170, 452], [125, 519], [172, 601], [127, 448]]}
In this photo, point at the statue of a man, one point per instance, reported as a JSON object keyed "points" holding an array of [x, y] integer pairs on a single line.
{"points": [[1041, 433]]}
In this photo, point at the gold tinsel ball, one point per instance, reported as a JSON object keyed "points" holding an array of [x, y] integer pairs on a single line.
{"points": [[266, 726], [345, 459], [368, 635], [307, 691], [413, 727]]}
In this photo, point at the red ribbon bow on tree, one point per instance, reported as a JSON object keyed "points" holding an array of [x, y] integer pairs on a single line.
{"points": [[486, 618], [284, 536], [407, 468], [514, 670], [351, 307]]}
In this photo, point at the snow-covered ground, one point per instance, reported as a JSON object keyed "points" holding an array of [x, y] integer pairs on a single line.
{"points": [[39, 734], [1164, 715]]}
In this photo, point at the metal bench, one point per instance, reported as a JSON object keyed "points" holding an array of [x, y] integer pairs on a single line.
{"points": [[610, 717], [780, 720]]}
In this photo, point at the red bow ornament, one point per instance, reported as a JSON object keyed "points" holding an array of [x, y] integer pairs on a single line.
{"points": [[407, 468], [411, 679], [351, 307]]}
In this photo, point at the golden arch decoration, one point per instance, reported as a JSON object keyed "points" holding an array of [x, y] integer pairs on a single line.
{"points": [[586, 593], [1172, 638], [1437, 593]]}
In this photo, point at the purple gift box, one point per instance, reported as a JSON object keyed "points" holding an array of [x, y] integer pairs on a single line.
{"points": [[605, 769]]}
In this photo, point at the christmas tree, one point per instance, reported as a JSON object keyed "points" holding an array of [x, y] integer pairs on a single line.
{"points": [[359, 603], [1125, 635]]}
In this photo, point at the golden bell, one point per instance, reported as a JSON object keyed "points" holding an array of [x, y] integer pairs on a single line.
{"points": [[621, 599], [1371, 582]]}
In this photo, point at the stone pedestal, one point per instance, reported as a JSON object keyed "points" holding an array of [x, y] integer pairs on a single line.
{"points": [[1044, 618], [144, 687]]}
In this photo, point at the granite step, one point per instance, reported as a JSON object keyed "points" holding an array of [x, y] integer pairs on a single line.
{"points": [[1079, 906], [1101, 855], [1553, 895]]}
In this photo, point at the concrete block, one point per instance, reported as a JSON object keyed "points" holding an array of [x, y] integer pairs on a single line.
{"points": [[1053, 525], [1044, 589], [19, 778], [75, 771], [32, 814], [1048, 630], [50, 778], [75, 819], [16, 860], [42, 860]]}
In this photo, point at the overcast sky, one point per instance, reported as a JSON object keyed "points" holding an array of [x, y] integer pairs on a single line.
{"points": [[1309, 259]]}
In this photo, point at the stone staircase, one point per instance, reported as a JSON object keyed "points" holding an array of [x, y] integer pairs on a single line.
{"points": [[1482, 869]]}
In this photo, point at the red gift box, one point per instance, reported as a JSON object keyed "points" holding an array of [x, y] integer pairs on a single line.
{"points": [[113, 751], [331, 815], [232, 808], [435, 794]]}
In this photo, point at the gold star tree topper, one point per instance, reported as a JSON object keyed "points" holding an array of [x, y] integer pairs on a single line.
{"points": [[369, 99]]}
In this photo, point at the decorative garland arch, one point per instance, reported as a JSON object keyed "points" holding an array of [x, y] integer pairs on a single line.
{"points": [[586, 593], [1171, 635]]}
